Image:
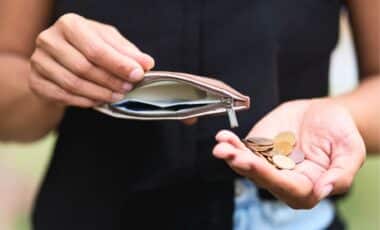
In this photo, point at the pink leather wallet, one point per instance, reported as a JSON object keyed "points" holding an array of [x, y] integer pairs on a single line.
{"points": [[166, 95]]}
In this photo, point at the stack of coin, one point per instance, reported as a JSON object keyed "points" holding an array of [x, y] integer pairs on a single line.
{"points": [[279, 151]]}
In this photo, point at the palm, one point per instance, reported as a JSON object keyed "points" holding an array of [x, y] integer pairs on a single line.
{"points": [[316, 128], [325, 133]]}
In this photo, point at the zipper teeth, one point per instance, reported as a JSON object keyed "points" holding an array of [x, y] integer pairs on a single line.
{"points": [[226, 102]]}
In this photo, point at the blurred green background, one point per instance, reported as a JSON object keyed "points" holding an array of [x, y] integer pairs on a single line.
{"points": [[22, 166]]}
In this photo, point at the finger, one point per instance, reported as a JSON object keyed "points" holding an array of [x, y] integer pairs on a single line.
{"points": [[190, 121], [338, 178], [247, 161], [73, 60], [89, 43], [228, 136], [225, 151], [113, 37], [347, 158], [49, 91], [69, 82], [282, 183]]}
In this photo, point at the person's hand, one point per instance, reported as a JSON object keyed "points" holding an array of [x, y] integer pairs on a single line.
{"points": [[334, 152], [83, 63]]}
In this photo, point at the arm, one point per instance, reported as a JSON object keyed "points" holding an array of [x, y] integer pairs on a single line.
{"points": [[327, 129], [74, 62], [364, 102], [24, 117]]}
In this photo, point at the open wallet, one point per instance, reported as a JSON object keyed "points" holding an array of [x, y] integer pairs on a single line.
{"points": [[163, 95]]}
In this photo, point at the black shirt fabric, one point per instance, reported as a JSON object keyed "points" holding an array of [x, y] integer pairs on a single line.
{"points": [[108, 173]]}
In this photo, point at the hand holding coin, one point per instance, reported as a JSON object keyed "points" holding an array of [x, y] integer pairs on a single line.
{"points": [[301, 152]]}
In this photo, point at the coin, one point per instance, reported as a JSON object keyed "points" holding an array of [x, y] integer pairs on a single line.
{"points": [[297, 156], [279, 152], [283, 162], [267, 153], [262, 148], [262, 156], [284, 148], [286, 137], [275, 152], [260, 141], [269, 159], [250, 147]]}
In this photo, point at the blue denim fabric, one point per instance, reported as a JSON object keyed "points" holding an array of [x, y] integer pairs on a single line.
{"points": [[253, 213]]}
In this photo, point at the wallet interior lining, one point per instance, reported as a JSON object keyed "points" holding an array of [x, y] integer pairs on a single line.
{"points": [[165, 97]]}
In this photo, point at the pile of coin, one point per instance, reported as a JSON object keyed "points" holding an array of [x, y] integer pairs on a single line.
{"points": [[279, 151]]}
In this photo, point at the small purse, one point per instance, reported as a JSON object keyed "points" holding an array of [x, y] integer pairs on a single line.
{"points": [[165, 95]]}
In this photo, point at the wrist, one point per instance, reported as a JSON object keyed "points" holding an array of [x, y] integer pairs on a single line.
{"points": [[362, 104]]}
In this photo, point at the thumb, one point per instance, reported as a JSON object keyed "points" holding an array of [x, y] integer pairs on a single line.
{"points": [[230, 137]]}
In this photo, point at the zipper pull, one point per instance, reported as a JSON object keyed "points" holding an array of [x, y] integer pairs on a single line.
{"points": [[231, 113]]}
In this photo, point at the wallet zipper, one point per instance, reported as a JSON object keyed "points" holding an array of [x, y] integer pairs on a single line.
{"points": [[229, 103]]}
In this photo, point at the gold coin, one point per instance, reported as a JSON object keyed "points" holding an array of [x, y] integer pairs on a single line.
{"points": [[262, 148], [284, 148], [270, 160], [275, 152], [259, 141], [257, 148], [266, 153], [283, 162], [252, 149], [286, 137]]}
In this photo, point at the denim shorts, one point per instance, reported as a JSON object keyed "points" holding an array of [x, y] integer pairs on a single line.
{"points": [[252, 213]]}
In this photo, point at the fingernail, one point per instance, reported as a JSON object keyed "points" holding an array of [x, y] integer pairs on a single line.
{"points": [[150, 60], [127, 87], [136, 75], [325, 191], [117, 96]]}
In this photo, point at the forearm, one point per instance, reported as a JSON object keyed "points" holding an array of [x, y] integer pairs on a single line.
{"points": [[24, 116], [364, 105]]}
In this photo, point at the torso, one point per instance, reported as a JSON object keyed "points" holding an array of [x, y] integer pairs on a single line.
{"points": [[269, 50]]}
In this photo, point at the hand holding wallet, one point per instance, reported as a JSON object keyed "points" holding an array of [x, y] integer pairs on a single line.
{"points": [[163, 95]]}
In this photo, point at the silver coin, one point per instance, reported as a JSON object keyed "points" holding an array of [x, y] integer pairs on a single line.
{"points": [[297, 156]]}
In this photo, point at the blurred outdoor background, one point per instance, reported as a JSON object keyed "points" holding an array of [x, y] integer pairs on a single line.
{"points": [[23, 166]]}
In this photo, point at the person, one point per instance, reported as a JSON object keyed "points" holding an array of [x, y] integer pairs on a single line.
{"points": [[114, 174]]}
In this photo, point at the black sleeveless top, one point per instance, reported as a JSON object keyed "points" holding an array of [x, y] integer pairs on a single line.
{"points": [[108, 173]]}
